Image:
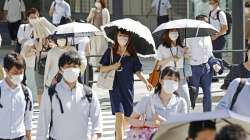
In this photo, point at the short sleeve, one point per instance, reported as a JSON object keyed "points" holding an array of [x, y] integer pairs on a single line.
{"points": [[223, 18], [137, 65], [140, 108], [169, 4], [153, 3], [105, 60], [158, 55], [6, 8], [68, 11], [183, 106], [23, 6]]}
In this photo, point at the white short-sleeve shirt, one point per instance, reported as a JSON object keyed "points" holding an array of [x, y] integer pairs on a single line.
{"points": [[217, 23], [61, 8], [165, 5], [200, 49], [164, 53], [15, 9], [147, 104]]}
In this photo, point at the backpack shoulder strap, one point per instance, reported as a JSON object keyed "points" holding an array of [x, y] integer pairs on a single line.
{"points": [[218, 15], [52, 91], [88, 92], [1, 106], [238, 90], [27, 98]]}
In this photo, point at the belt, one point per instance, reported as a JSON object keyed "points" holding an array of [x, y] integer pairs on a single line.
{"points": [[19, 138]]}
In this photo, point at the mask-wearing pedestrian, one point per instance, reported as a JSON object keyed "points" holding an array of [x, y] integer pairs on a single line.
{"points": [[71, 74], [122, 40], [173, 35], [170, 86], [98, 5], [16, 79], [62, 43]]}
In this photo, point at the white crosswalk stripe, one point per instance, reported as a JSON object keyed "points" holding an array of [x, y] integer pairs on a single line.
{"points": [[108, 124]]}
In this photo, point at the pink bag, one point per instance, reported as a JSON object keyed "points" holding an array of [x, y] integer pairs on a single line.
{"points": [[142, 133]]}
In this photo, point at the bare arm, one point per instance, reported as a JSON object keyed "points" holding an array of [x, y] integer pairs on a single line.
{"points": [[139, 74], [52, 9], [28, 134]]}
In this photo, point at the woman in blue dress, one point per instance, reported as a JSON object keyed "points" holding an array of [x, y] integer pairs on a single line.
{"points": [[122, 94]]}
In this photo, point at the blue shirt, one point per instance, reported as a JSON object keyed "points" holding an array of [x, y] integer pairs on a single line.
{"points": [[13, 117], [242, 103]]}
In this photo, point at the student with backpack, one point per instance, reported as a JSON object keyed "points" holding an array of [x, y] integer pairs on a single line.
{"points": [[59, 9], [68, 105], [220, 20], [237, 97], [13, 11], [16, 105]]}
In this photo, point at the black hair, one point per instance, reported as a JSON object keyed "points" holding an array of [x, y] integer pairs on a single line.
{"points": [[198, 126], [200, 17], [65, 20], [64, 37], [168, 71], [70, 57], [247, 4], [32, 11], [232, 132], [13, 59]]}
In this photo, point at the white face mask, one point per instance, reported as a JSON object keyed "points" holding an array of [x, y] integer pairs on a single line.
{"points": [[62, 43], [173, 35], [122, 40], [16, 79], [71, 74], [170, 86], [98, 5]]}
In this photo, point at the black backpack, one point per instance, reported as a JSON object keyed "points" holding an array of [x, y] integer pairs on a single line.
{"points": [[229, 19], [52, 91], [26, 95]]}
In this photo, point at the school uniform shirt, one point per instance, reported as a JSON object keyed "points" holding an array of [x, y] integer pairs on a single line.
{"points": [[24, 35], [200, 49], [175, 105], [13, 117], [164, 6], [73, 123], [15, 9], [51, 66], [164, 53], [217, 23], [242, 103], [61, 8]]}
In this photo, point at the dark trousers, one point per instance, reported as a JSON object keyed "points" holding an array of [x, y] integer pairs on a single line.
{"points": [[219, 44], [13, 29], [20, 138], [162, 19], [202, 76]]}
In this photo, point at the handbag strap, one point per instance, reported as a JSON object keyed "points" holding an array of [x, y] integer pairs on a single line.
{"points": [[112, 56]]}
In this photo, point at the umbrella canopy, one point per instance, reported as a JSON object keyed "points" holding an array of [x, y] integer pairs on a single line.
{"points": [[76, 29], [187, 28], [141, 35], [42, 27], [177, 126]]}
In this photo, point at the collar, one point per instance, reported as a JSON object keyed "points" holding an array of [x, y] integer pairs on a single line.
{"points": [[171, 103], [6, 86], [65, 86]]}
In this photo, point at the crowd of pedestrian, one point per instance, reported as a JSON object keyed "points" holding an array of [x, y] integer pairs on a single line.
{"points": [[51, 71]]}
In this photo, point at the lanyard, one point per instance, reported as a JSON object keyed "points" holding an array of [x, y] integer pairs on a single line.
{"points": [[174, 55]]}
